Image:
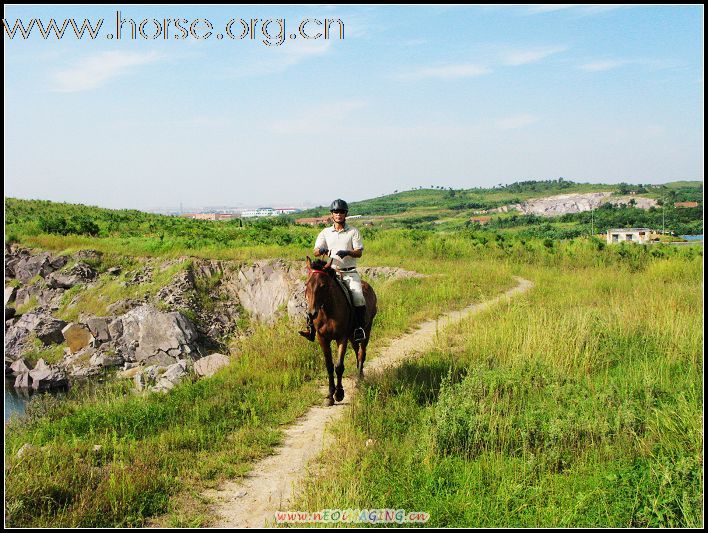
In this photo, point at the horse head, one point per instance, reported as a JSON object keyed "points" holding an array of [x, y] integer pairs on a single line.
{"points": [[320, 275]]}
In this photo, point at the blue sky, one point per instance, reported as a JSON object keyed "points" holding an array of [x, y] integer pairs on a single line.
{"points": [[453, 96]]}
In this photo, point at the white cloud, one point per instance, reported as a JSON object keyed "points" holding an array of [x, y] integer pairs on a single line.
{"points": [[600, 66], [532, 55], [276, 59], [446, 72], [515, 122], [94, 71]]}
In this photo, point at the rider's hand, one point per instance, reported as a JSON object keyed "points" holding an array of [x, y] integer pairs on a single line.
{"points": [[323, 251], [342, 253]]}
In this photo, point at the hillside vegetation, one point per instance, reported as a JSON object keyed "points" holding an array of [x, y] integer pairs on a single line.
{"points": [[579, 404]]}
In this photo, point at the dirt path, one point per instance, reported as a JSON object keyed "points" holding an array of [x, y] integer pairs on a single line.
{"points": [[251, 502]]}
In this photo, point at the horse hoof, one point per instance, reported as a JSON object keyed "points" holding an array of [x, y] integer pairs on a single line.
{"points": [[328, 401], [339, 395]]}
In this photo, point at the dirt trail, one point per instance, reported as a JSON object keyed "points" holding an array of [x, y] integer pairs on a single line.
{"points": [[252, 502]]}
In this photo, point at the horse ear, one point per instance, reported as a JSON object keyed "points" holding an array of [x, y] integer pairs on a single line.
{"points": [[329, 263], [309, 263]]}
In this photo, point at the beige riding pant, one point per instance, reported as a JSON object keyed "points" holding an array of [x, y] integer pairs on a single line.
{"points": [[353, 281]]}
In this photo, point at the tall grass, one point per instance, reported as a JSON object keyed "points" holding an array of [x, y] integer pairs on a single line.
{"points": [[579, 404], [158, 452]]}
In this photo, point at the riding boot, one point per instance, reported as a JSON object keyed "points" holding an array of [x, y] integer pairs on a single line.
{"points": [[359, 319], [309, 334]]}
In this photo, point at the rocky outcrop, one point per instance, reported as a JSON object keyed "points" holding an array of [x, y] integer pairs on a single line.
{"points": [[79, 273], [49, 330], [42, 325], [27, 267], [576, 203], [153, 337], [45, 377], [384, 273], [10, 294], [265, 287]]}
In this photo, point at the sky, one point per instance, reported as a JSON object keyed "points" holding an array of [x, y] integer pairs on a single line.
{"points": [[410, 96]]}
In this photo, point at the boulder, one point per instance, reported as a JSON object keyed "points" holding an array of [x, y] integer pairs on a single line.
{"points": [[48, 378], [98, 326], [77, 336], [171, 377], [9, 313], [57, 280], [49, 330], [207, 366], [114, 271], [18, 332], [19, 367], [9, 294], [41, 264], [149, 333], [22, 381]]}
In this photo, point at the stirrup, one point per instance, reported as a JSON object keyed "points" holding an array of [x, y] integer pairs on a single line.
{"points": [[359, 334], [309, 334]]}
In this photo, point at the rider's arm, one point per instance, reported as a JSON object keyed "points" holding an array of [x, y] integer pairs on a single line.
{"points": [[321, 245], [356, 253]]}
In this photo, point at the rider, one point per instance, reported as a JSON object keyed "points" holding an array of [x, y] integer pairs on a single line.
{"points": [[343, 243]]}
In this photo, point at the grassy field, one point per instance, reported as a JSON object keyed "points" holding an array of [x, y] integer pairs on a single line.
{"points": [[157, 453], [586, 391], [579, 404]]}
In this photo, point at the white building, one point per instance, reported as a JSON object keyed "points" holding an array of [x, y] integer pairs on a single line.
{"points": [[638, 235]]}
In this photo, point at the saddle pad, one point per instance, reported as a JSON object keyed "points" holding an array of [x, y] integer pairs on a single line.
{"points": [[345, 289]]}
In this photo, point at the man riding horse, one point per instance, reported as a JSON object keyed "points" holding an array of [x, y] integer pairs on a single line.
{"points": [[343, 244]]}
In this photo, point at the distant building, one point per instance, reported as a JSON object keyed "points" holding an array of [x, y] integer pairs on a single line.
{"points": [[316, 221], [686, 204], [480, 220], [638, 235], [210, 216], [268, 212]]}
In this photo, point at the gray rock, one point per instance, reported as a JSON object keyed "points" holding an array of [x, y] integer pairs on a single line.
{"points": [[57, 280], [207, 366], [115, 328], [98, 326], [114, 271], [41, 264], [9, 294], [22, 381], [19, 367], [148, 333], [48, 378], [49, 331]]}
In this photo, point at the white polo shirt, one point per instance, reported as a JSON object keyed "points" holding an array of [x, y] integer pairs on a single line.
{"points": [[346, 239]]}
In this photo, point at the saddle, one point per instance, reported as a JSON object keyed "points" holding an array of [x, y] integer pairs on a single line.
{"points": [[345, 289]]}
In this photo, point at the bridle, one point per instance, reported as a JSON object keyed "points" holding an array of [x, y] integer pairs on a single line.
{"points": [[312, 316]]}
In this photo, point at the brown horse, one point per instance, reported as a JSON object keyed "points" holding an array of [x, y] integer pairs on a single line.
{"points": [[333, 320]]}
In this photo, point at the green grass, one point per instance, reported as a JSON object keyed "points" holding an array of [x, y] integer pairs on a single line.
{"points": [[159, 452], [577, 405], [95, 300]]}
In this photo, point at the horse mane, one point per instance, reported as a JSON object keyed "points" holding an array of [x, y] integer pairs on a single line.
{"points": [[318, 264]]}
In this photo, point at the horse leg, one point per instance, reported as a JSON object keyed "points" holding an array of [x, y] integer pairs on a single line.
{"points": [[327, 350], [341, 350], [361, 356]]}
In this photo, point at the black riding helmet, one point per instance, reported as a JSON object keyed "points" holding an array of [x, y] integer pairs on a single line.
{"points": [[339, 205]]}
